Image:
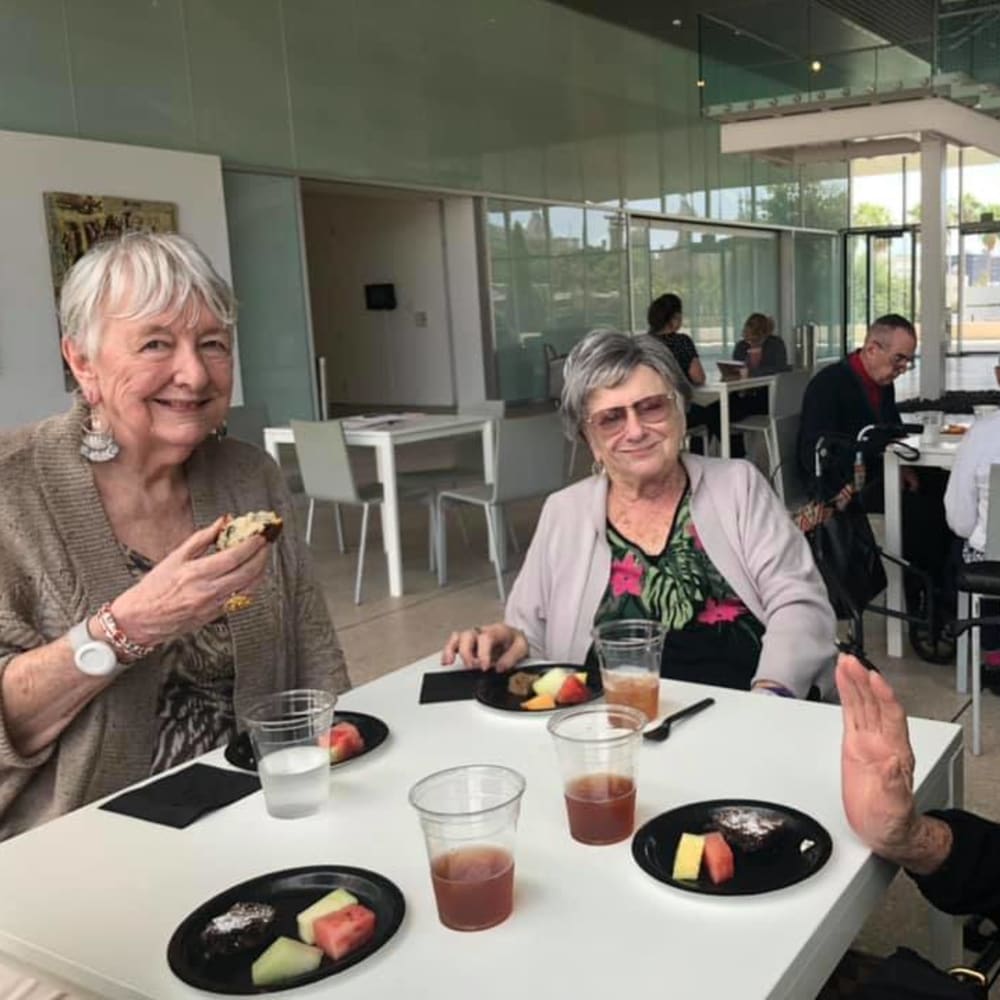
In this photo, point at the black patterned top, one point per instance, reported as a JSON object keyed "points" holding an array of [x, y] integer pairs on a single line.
{"points": [[682, 348], [195, 706], [712, 637]]}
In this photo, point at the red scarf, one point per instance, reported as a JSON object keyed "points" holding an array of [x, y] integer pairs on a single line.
{"points": [[872, 389]]}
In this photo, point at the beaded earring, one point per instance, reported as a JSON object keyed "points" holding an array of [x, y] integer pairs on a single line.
{"points": [[97, 442]]}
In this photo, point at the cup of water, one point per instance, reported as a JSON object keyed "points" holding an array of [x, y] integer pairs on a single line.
{"points": [[287, 731], [932, 421]]}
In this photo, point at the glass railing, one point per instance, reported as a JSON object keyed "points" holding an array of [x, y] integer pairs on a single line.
{"points": [[788, 52]]}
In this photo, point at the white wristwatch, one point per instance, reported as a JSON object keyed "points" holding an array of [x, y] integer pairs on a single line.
{"points": [[91, 656]]}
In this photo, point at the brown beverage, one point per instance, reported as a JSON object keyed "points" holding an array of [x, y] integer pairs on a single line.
{"points": [[640, 690], [474, 887], [601, 808]]}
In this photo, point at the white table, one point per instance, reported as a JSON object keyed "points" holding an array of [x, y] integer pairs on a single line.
{"points": [[717, 389], [385, 438], [94, 897], [941, 456]]}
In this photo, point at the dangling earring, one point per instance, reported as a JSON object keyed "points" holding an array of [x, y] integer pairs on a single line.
{"points": [[98, 443], [221, 431], [596, 467]]}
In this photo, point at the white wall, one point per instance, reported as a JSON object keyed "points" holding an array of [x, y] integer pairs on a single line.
{"points": [[31, 377], [385, 357]]}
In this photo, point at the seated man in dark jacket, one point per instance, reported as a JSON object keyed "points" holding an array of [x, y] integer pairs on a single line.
{"points": [[843, 398], [952, 855]]}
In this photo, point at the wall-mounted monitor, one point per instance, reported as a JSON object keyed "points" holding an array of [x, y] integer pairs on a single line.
{"points": [[380, 296]]}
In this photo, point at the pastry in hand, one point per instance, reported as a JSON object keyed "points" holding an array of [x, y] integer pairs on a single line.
{"points": [[239, 529]]}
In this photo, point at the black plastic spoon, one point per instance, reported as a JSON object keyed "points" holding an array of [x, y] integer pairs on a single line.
{"points": [[662, 731]]}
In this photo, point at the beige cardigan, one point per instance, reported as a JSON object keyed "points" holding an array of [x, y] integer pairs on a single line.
{"points": [[747, 535], [59, 561]]}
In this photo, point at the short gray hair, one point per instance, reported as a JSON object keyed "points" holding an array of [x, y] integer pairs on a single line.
{"points": [[606, 358], [139, 275]]}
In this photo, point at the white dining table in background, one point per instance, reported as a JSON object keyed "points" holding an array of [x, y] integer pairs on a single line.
{"points": [[94, 897], [385, 437], [718, 390]]}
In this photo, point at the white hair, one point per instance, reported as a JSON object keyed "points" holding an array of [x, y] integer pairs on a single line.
{"points": [[136, 276]]}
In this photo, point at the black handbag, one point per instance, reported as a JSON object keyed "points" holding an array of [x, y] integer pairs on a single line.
{"points": [[904, 975], [848, 559]]}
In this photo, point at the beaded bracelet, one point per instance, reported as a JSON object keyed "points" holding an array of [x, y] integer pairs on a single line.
{"points": [[126, 651]]}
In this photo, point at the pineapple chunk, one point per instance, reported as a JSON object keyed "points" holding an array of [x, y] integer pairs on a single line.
{"points": [[332, 901], [687, 860], [581, 676], [550, 682], [285, 959]]}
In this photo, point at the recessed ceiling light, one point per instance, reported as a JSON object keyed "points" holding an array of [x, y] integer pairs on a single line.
{"points": [[676, 22], [815, 65], [701, 83]]}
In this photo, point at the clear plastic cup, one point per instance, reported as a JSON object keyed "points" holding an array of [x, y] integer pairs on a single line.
{"points": [[932, 422], [293, 764], [630, 652], [469, 818], [596, 747]]}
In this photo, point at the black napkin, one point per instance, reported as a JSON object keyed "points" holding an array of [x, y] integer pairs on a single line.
{"points": [[182, 797], [449, 685]]}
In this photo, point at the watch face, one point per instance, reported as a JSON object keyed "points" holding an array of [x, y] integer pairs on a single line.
{"points": [[95, 658]]}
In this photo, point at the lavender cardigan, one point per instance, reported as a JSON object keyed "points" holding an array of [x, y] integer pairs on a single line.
{"points": [[747, 535]]}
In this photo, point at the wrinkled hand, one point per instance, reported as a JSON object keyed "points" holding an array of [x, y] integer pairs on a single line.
{"points": [[188, 589], [876, 761], [499, 646]]}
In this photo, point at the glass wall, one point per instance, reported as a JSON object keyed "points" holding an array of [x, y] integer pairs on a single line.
{"points": [[557, 271], [721, 274]]}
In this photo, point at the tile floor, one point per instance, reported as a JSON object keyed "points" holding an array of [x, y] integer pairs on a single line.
{"points": [[384, 633]]}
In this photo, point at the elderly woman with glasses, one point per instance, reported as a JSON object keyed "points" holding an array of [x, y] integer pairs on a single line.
{"points": [[702, 545], [127, 642]]}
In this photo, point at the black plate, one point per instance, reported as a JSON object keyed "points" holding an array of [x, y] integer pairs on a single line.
{"points": [[290, 892], [781, 863], [373, 731], [492, 689]]}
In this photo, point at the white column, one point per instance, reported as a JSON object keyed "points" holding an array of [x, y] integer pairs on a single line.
{"points": [[933, 234]]}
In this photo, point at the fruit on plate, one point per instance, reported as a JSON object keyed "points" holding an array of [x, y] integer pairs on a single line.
{"points": [[687, 860], [550, 682], [344, 740], [540, 703], [285, 959], [343, 931], [573, 691], [718, 858], [581, 676], [330, 903]]}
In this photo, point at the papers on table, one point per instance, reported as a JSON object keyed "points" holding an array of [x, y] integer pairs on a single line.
{"points": [[378, 420]]}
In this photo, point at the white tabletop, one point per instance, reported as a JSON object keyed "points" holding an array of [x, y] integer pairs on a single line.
{"points": [[95, 896]]}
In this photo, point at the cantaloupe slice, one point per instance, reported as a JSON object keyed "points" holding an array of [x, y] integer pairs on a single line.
{"points": [[687, 860], [285, 959], [539, 703]]}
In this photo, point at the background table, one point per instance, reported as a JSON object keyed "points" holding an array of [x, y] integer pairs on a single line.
{"points": [[385, 438], [95, 896], [717, 389]]}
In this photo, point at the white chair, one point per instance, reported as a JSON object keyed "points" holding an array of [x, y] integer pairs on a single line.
{"points": [[703, 434], [327, 475], [528, 462], [784, 399], [975, 582]]}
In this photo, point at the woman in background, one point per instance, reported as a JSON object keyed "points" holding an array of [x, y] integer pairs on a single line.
{"points": [[664, 317], [760, 350]]}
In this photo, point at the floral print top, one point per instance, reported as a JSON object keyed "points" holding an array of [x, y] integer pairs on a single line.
{"points": [[712, 637]]}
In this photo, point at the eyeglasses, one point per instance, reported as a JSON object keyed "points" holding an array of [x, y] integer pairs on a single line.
{"points": [[648, 410], [900, 361]]}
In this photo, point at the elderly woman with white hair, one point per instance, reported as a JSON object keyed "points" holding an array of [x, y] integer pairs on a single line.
{"points": [[702, 545], [121, 650]]}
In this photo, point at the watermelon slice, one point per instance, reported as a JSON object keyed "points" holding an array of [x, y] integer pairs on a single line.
{"points": [[344, 740], [718, 858], [344, 931], [572, 691]]}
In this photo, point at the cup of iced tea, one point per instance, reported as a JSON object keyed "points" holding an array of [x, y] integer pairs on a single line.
{"points": [[469, 818], [630, 651], [287, 731], [597, 750]]}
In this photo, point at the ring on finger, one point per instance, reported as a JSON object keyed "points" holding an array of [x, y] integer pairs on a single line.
{"points": [[236, 602]]}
